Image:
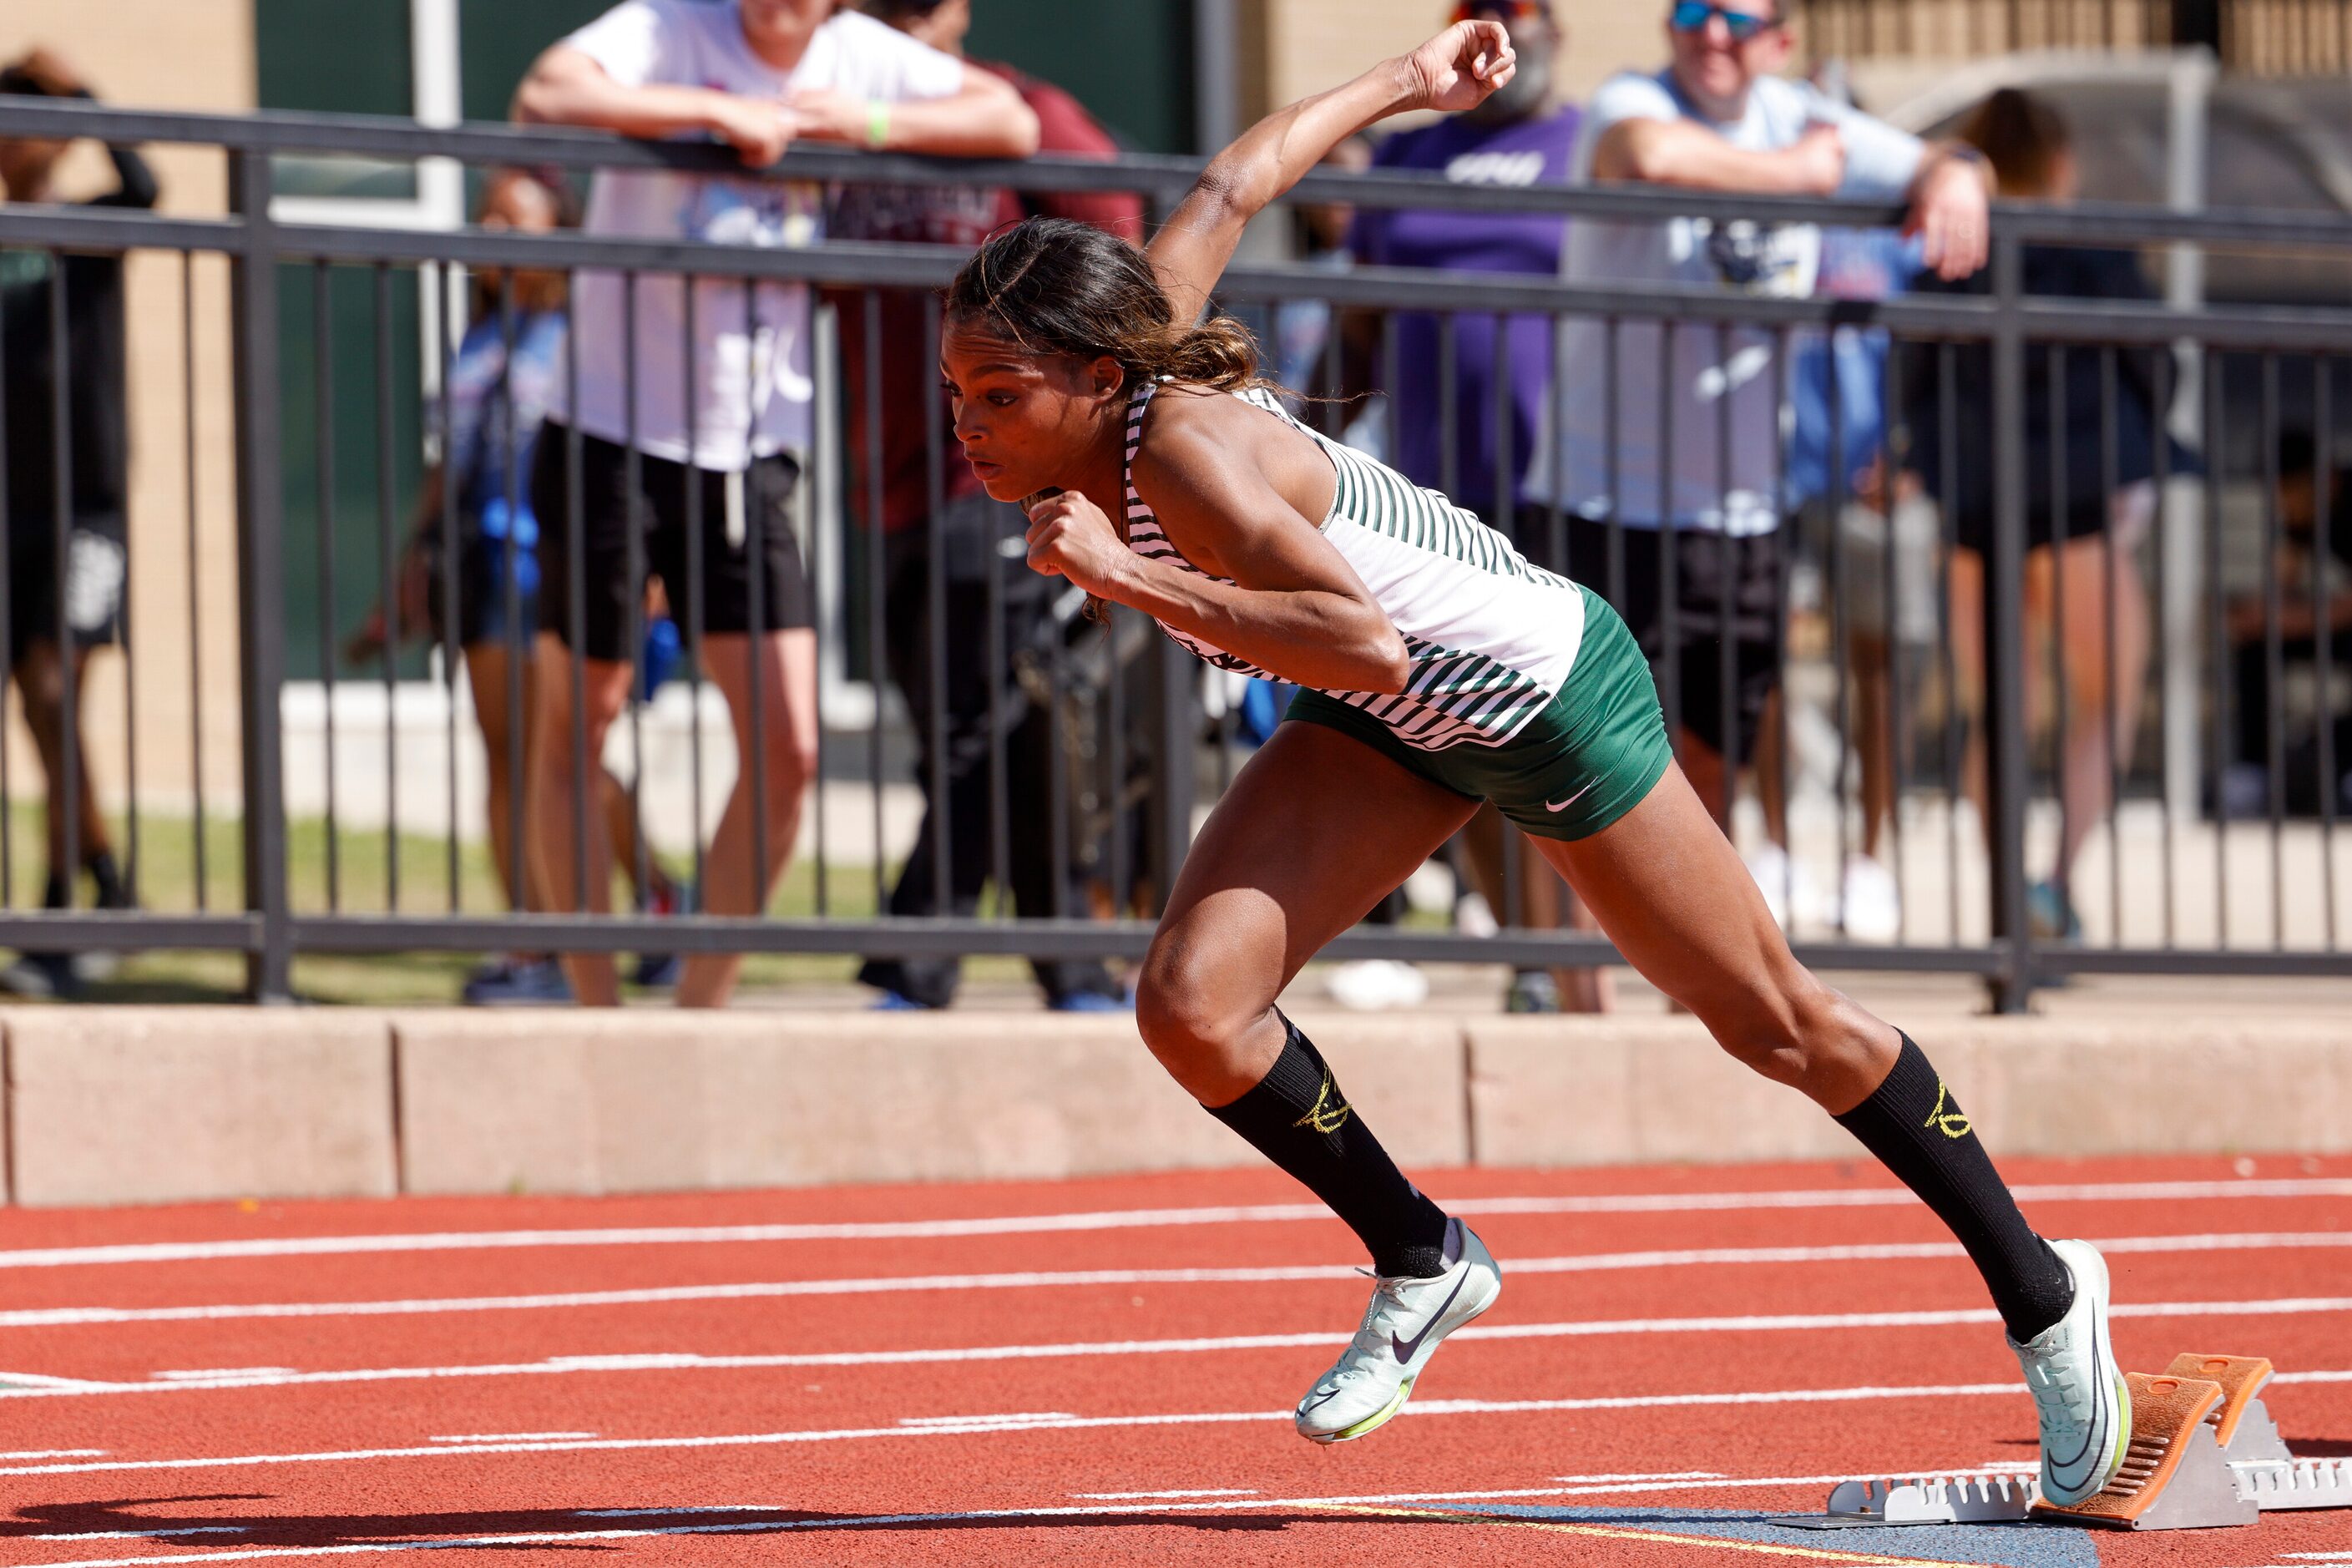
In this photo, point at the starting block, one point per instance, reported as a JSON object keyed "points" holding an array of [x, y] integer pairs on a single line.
{"points": [[2204, 1452]]}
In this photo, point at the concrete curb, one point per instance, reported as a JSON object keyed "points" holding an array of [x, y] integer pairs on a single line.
{"points": [[156, 1105]]}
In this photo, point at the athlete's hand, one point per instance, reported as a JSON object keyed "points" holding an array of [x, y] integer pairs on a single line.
{"points": [[1459, 67], [1070, 537]]}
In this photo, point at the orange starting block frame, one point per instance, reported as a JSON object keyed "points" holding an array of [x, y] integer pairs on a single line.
{"points": [[2204, 1454]]}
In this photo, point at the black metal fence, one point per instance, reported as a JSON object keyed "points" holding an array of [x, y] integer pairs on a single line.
{"points": [[2201, 829]]}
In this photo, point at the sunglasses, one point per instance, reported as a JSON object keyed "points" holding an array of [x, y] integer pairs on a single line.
{"points": [[1503, 11], [1692, 16]]}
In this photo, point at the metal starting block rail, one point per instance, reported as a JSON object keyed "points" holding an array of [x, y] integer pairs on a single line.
{"points": [[2204, 1452]]}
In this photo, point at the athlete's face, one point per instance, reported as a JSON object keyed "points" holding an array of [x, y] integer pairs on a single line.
{"points": [[1027, 422]]}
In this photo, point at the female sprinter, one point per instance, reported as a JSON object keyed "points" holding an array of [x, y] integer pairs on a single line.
{"points": [[1439, 669]]}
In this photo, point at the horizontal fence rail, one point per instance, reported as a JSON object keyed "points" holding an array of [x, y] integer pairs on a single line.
{"points": [[2065, 601]]}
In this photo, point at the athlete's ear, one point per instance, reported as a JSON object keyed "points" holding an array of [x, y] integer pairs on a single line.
{"points": [[1106, 376]]}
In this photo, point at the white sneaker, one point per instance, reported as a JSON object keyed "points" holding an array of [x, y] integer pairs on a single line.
{"points": [[1786, 885], [1872, 904], [2070, 1369], [1407, 1319], [1376, 984]]}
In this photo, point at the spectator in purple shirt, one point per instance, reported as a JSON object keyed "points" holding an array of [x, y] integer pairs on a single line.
{"points": [[1519, 137]]}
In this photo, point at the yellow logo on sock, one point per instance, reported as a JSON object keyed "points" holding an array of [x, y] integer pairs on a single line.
{"points": [[1327, 1117], [1952, 1124]]}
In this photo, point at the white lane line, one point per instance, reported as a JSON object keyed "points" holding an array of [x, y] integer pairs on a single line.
{"points": [[55, 1454], [1579, 1263], [1179, 1492], [214, 1373], [513, 1437], [1133, 1220], [1429, 1407], [1600, 1328], [872, 1522], [985, 1420]]}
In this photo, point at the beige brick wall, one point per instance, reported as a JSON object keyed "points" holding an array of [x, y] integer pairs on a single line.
{"points": [[174, 53], [1313, 43]]}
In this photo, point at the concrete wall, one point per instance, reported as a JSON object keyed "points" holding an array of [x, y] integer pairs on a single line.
{"points": [[154, 1105]]}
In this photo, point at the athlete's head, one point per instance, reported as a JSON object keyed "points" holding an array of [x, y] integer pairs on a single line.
{"points": [[1047, 331]]}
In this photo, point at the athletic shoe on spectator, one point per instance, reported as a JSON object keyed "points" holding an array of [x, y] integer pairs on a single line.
{"points": [[519, 982], [1870, 905], [1377, 984]]}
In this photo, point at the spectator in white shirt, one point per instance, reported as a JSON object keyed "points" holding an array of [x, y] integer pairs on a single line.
{"points": [[1717, 118], [721, 460]]}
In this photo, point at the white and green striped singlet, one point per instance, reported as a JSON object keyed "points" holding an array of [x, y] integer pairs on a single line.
{"points": [[1491, 638]]}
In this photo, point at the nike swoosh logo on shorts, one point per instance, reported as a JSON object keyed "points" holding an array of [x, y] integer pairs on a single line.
{"points": [[1571, 800], [1404, 1348]]}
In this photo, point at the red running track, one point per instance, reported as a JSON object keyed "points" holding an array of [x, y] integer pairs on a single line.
{"points": [[1100, 1371]]}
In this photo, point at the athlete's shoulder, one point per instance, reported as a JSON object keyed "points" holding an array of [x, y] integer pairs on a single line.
{"points": [[1186, 431]]}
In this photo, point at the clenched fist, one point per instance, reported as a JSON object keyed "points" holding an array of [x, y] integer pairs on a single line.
{"points": [[1070, 537]]}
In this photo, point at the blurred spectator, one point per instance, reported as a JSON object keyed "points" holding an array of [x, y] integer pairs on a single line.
{"points": [[1837, 383], [87, 505], [499, 384], [1520, 137], [2083, 582], [976, 538], [756, 75], [2315, 599], [1717, 118]]}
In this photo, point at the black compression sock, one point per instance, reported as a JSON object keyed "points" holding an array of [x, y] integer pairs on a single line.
{"points": [[1298, 1118], [1915, 1128]]}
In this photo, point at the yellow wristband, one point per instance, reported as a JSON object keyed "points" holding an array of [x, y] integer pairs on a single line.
{"points": [[877, 125]]}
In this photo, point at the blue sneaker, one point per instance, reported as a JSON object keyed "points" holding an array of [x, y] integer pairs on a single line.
{"points": [[2050, 913], [519, 982], [899, 1002], [1089, 1002]]}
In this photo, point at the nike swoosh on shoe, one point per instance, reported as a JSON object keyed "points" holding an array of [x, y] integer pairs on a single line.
{"points": [[1404, 1348]]}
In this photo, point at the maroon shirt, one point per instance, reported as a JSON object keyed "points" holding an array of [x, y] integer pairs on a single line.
{"points": [[962, 217]]}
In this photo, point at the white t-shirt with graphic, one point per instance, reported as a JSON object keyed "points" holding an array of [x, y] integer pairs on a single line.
{"points": [[1708, 481], [751, 373]]}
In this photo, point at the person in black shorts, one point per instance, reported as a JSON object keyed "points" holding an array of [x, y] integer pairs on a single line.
{"points": [[75, 597], [495, 388], [675, 454]]}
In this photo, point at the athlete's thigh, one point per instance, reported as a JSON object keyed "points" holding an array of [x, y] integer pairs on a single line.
{"points": [[1314, 831], [1676, 898]]}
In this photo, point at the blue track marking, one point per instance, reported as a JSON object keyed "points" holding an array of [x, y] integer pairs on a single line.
{"points": [[1992, 1545]]}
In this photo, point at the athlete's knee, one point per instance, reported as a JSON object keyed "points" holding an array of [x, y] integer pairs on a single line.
{"points": [[1187, 1011], [1795, 1030]]}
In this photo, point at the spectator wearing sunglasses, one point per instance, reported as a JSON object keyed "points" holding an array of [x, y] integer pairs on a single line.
{"points": [[1701, 514], [1521, 136]]}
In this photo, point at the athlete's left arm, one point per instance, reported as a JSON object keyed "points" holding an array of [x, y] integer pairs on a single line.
{"points": [[1454, 70], [1295, 606]]}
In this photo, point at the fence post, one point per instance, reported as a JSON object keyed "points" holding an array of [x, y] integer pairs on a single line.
{"points": [[260, 560], [2004, 692]]}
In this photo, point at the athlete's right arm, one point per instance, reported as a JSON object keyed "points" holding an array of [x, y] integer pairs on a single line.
{"points": [[566, 86], [1454, 70]]}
